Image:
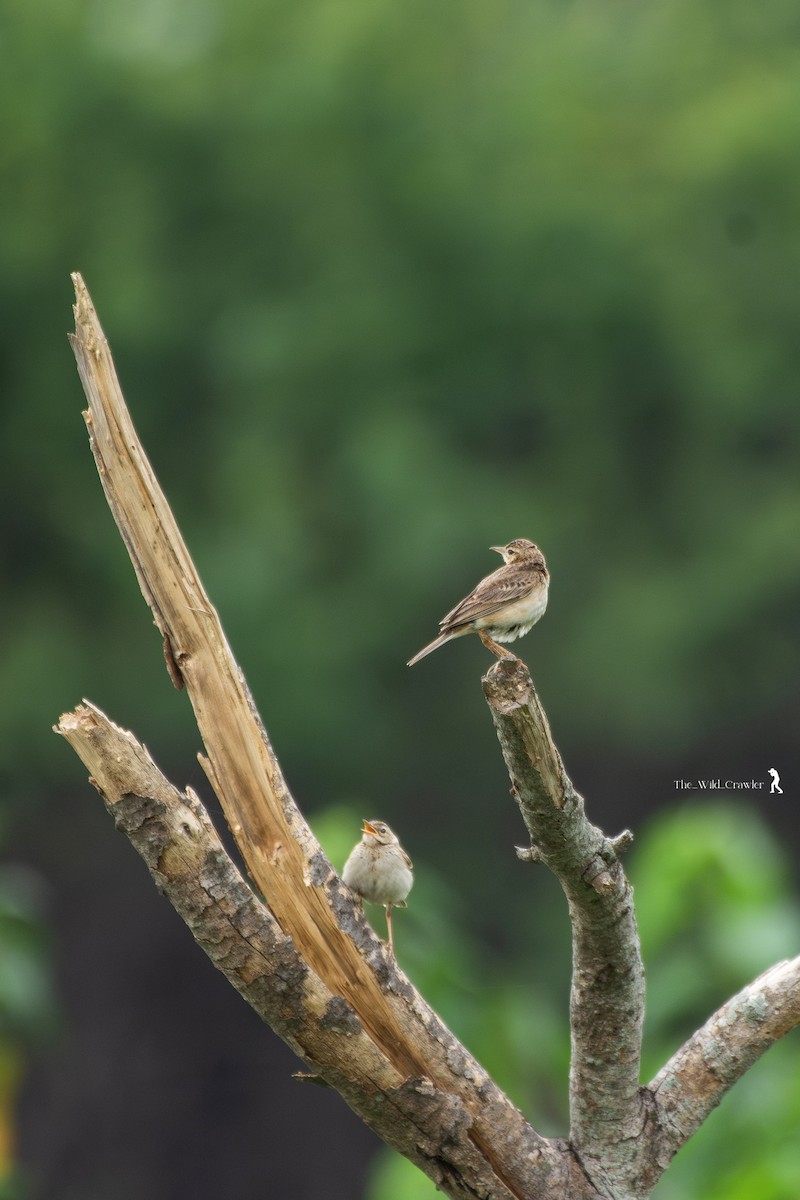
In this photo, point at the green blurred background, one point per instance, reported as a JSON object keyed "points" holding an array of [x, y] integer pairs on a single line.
{"points": [[387, 284]]}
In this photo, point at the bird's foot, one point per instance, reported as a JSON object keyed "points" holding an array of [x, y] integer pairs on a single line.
{"points": [[497, 650]]}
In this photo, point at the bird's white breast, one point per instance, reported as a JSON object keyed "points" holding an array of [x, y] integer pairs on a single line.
{"points": [[380, 878], [520, 615]]}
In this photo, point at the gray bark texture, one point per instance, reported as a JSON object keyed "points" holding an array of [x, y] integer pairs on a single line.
{"points": [[292, 938]]}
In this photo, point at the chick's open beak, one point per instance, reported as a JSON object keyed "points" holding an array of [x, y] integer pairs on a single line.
{"points": [[368, 828]]}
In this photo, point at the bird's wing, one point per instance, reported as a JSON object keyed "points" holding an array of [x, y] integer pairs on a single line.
{"points": [[494, 592], [406, 859]]}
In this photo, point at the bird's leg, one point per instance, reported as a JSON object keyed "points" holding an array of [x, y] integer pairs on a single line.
{"points": [[389, 928], [497, 650]]}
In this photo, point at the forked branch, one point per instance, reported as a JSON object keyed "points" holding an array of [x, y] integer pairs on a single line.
{"points": [[484, 1146], [625, 1135], [299, 949]]}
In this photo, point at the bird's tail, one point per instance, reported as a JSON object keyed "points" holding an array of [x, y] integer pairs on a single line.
{"points": [[440, 641]]}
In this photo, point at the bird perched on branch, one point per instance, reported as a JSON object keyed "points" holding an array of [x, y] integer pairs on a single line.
{"points": [[504, 605], [379, 870]]}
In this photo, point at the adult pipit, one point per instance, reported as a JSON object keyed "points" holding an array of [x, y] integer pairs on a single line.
{"points": [[504, 605], [379, 870]]}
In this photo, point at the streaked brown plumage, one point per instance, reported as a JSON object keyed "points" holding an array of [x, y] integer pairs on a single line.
{"points": [[504, 605]]}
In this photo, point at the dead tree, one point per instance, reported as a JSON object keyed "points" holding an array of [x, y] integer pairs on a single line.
{"points": [[294, 943]]}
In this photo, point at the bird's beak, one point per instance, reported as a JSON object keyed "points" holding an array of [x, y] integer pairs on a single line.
{"points": [[368, 828], [498, 549]]}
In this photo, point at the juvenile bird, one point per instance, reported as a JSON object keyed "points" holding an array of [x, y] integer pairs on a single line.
{"points": [[379, 870], [504, 605]]}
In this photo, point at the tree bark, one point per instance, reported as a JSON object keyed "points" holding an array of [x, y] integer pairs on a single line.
{"points": [[607, 1002], [297, 946], [440, 1128], [447, 1115]]}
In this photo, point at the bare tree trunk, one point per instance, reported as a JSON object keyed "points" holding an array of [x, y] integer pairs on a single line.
{"points": [[298, 949]]}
